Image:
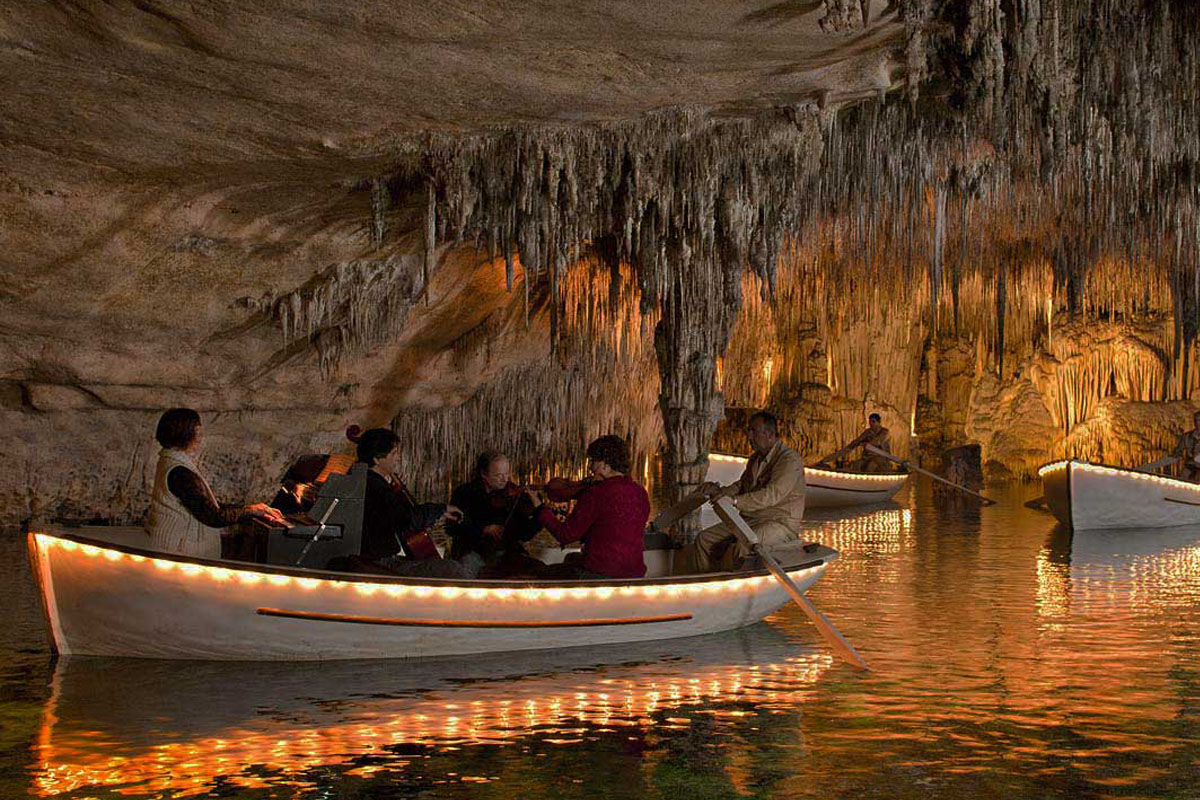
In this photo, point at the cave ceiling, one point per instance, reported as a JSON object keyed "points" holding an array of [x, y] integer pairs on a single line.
{"points": [[214, 150], [166, 165]]}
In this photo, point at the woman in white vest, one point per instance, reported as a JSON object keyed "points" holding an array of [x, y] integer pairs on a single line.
{"points": [[185, 516]]}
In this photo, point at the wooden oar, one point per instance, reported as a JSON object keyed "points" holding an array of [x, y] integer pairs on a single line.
{"points": [[730, 516], [828, 459], [873, 449], [1156, 465], [669, 516]]}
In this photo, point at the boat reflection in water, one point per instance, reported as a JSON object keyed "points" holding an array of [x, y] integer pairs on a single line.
{"points": [[885, 528], [1119, 570], [149, 727]]}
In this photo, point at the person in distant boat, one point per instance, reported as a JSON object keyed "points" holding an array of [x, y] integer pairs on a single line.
{"points": [[493, 521], [394, 525], [769, 496], [609, 518], [876, 436], [1187, 450], [185, 516]]}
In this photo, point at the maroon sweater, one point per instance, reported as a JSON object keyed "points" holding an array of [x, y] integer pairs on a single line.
{"points": [[610, 518]]}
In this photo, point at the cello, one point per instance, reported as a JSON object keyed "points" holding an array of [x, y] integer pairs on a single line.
{"points": [[417, 545]]}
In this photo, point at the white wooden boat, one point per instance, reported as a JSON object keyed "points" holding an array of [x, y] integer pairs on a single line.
{"points": [[106, 593], [1092, 496], [825, 488]]}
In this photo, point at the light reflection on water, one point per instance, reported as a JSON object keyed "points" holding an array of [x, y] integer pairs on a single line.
{"points": [[1010, 659]]}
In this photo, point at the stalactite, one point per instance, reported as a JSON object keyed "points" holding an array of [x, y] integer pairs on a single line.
{"points": [[381, 201], [544, 412], [429, 240], [1048, 183], [348, 305]]}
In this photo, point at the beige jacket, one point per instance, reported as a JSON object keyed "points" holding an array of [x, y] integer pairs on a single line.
{"points": [[772, 488]]}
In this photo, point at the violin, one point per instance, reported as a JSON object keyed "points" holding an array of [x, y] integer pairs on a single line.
{"points": [[560, 490], [512, 499]]}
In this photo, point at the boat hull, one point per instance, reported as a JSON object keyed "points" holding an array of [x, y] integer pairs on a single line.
{"points": [[111, 600], [829, 489], [823, 488], [1094, 497]]}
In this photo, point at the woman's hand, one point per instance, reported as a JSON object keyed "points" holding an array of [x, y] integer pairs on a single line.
{"points": [[453, 514], [264, 511]]}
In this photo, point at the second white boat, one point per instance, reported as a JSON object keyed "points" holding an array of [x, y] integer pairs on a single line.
{"points": [[1094, 496]]}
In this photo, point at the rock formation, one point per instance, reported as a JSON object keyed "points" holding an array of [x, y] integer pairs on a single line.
{"points": [[520, 226]]}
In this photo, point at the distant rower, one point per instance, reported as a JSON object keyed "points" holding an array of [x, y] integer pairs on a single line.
{"points": [[876, 436], [1188, 450]]}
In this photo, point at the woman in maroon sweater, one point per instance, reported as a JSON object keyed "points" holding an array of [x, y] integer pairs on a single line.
{"points": [[610, 517]]}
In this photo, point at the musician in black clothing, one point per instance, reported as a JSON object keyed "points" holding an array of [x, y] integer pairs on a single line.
{"points": [[493, 522], [391, 517]]}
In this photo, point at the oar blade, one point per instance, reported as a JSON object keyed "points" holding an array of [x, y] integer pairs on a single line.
{"points": [[730, 516], [669, 516]]}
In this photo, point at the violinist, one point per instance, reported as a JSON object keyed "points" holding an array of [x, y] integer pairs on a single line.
{"points": [[391, 516], [497, 516], [609, 518]]}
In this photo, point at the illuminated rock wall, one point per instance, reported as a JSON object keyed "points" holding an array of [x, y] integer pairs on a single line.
{"points": [[986, 229]]}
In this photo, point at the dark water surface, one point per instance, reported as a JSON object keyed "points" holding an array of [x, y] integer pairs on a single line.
{"points": [[1010, 660]]}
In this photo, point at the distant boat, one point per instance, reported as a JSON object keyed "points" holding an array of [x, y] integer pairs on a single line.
{"points": [[105, 593], [825, 488], [1094, 496]]}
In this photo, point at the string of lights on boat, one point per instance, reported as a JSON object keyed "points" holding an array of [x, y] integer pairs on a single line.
{"points": [[447, 592]]}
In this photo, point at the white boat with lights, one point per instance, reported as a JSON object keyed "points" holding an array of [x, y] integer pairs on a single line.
{"points": [[825, 488], [1092, 496], [105, 593]]}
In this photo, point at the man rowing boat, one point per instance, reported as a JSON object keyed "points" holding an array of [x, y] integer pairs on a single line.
{"points": [[1187, 450], [769, 495], [876, 436]]}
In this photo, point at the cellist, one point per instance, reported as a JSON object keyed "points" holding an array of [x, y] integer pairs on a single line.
{"points": [[390, 514]]}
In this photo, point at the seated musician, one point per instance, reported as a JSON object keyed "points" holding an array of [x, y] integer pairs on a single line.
{"points": [[609, 517], [493, 522], [185, 516], [769, 496], [393, 522]]}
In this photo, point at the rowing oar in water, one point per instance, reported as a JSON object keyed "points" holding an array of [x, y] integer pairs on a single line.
{"points": [[873, 449], [730, 516]]}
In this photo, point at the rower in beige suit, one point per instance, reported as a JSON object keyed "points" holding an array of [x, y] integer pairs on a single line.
{"points": [[769, 495]]}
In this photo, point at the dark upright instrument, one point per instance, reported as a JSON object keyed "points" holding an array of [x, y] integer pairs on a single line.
{"points": [[307, 497], [416, 544]]}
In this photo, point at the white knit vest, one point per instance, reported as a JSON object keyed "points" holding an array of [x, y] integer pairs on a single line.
{"points": [[172, 528]]}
